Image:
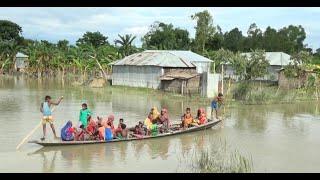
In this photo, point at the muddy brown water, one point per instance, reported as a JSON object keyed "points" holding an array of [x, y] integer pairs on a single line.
{"points": [[279, 138]]}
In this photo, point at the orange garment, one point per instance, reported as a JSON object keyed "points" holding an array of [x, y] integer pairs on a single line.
{"points": [[188, 119], [101, 132]]}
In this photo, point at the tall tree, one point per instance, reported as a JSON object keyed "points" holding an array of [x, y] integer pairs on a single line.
{"points": [[10, 31], [256, 65], [165, 36], [233, 40], [204, 29], [63, 45], [126, 44], [254, 39], [216, 41], [95, 39]]}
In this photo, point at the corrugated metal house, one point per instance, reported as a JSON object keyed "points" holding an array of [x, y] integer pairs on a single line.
{"points": [[144, 69], [277, 61], [21, 61]]}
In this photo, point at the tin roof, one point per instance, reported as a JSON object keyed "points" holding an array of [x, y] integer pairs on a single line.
{"points": [[21, 55], [162, 58], [275, 58]]}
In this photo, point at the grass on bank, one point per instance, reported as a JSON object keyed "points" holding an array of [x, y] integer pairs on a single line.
{"points": [[216, 158]]}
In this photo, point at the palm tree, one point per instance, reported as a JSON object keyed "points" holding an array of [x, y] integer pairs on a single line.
{"points": [[126, 44]]}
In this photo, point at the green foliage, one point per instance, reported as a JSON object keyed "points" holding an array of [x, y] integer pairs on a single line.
{"points": [[217, 158], [126, 44], [298, 64], [95, 39], [218, 57], [10, 31], [233, 40], [204, 29], [256, 65], [163, 36], [241, 90], [311, 81]]}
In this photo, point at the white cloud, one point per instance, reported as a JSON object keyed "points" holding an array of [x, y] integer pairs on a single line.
{"points": [[70, 23]]}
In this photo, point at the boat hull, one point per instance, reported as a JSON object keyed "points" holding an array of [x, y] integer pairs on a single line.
{"points": [[69, 143]]}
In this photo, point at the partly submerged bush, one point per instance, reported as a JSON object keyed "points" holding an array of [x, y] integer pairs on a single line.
{"points": [[217, 158]]}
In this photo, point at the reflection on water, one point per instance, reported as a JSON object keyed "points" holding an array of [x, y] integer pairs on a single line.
{"points": [[269, 133]]}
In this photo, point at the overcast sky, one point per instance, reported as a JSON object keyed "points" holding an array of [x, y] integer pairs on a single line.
{"points": [[58, 23]]}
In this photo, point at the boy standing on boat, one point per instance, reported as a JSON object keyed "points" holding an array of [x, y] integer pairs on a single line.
{"points": [[47, 115], [216, 103], [84, 114]]}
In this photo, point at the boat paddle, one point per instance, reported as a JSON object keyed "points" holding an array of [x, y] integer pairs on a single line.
{"points": [[31, 132]]}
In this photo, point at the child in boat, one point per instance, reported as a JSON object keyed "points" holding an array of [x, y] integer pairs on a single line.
{"points": [[123, 133], [216, 102], [119, 129], [188, 120], [154, 130], [67, 132], [201, 116], [47, 115], [101, 132], [84, 114]]}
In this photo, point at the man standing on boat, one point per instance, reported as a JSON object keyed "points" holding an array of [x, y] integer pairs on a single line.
{"points": [[47, 115], [216, 103]]}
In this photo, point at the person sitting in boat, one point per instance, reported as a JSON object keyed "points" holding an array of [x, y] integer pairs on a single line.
{"points": [[110, 123], [148, 122], [92, 129], [153, 116], [99, 121], [188, 120], [138, 130], [119, 129], [67, 132], [84, 114], [109, 134], [79, 133], [201, 116], [123, 134], [101, 132], [164, 120], [154, 130]]}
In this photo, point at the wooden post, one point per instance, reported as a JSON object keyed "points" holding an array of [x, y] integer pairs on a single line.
{"points": [[222, 72], [182, 86]]}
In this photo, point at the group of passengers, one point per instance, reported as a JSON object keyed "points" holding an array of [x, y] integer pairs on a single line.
{"points": [[90, 129]]}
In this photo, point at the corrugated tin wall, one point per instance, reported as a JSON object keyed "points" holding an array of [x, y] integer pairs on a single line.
{"points": [[137, 76]]}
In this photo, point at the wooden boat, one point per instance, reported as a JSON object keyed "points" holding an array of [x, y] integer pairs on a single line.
{"points": [[208, 125]]}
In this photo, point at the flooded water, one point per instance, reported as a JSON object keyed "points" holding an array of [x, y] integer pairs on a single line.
{"points": [[279, 138]]}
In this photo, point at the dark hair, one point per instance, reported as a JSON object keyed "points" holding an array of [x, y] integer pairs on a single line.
{"points": [[121, 119], [84, 104], [47, 98], [137, 126], [123, 126], [220, 94], [188, 109]]}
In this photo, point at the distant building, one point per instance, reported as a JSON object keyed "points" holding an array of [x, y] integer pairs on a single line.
{"points": [[161, 69], [21, 61], [277, 61]]}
